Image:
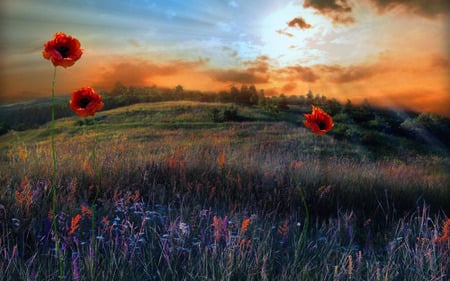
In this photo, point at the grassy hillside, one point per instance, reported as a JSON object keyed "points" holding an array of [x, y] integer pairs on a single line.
{"points": [[259, 147], [178, 179]]}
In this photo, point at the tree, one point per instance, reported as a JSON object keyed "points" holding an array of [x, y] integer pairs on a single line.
{"points": [[348, 107], [309, 97], [119, 89], [253, 99], [261, 98], [178, 92], [282, 102]]}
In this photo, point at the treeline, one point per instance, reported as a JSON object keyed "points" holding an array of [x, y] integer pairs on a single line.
{"points": [[386, 132], [381, 130], [27, 116], [22, 117], [377, 128]]}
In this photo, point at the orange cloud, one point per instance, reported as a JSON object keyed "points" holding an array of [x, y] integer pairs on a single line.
{"points": [[257, 72], [238, 76], [305, 74], [440, 62], [341, 74], [393, 79], [140, 72], [289, 87]]}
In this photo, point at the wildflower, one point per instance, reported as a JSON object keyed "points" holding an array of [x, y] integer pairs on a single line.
{"points": [[105, 221], [244, 225], [221, 159], [184, 228], [23, 154], [62, 50], [85, 102], [283, 228], [323, 191], [297, 164], [245, 243], [318, 121], [75, 270], [15, 223], [445, 237], [350, 266], [220, 228], [367, 223], [24, 196], [74, 225], [85, 210]]}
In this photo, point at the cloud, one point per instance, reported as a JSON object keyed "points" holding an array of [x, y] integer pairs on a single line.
{"points": [[427, 8], [299, 22], [231, 52], [255, 73], [339, 11], [438, 61], [138, 72], [346, 74], [261, 64], [289, 87], [238, 76], [298, 72], [284, 32]]}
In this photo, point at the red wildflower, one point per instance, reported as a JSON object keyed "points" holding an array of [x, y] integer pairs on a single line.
{"points": [[283, 228], [85, 210], [318, 121], [62, 50], [85, 102], [245, 224], [74, 225], [445, 237]]}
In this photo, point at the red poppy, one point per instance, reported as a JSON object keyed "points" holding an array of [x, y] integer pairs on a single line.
{"points": [[318, 121], [85, 102], [62, 50]]}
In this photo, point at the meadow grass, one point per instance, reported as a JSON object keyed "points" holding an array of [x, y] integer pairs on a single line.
{"points": [[176, 189]]}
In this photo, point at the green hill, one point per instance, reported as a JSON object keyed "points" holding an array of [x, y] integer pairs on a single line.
{"points": [[183, 143]]}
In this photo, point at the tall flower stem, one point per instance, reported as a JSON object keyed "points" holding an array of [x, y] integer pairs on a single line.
{"points": [[55, 228]]}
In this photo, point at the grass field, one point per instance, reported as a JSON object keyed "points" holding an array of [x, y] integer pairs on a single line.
{"points": [[181, 197]]}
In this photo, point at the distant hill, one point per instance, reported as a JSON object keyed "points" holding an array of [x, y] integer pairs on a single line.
{"points": [[383, 132]]}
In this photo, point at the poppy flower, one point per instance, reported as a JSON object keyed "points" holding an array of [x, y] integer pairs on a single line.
{"points": [[85, 102], [318, 121], [62, 50]]}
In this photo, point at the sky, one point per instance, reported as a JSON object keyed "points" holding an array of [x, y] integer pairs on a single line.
{"points": [[390, 52]]}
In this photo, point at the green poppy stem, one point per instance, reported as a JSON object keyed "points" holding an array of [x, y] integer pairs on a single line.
{"points": [[55, 228]]}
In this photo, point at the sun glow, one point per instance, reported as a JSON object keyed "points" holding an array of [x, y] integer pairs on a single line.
{"points": [[292, 44]]}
